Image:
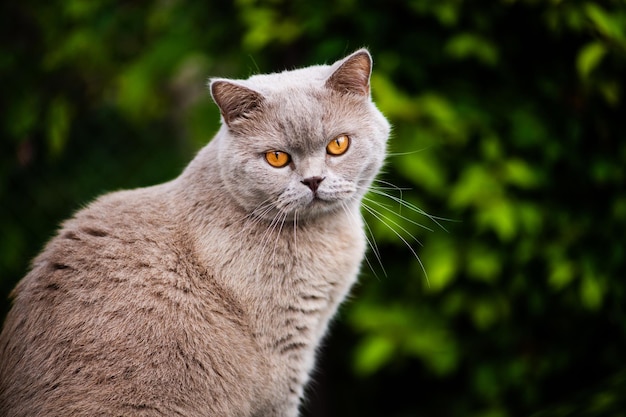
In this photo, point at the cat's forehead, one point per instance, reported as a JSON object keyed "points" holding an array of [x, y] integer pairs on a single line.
{"points": [[269, 84], [301, 112]]}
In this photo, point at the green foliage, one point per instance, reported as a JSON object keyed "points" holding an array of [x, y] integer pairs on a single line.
{"points": [[508, 120]]}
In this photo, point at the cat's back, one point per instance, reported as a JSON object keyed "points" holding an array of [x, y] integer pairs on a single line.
{"points": [[117, 317]]}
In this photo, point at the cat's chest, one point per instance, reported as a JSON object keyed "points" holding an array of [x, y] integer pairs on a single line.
{"points": [[293, 257], [281, 270]]}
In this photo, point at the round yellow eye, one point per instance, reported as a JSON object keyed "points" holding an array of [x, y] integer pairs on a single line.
{"points": [[339, 145], [277, 159]]}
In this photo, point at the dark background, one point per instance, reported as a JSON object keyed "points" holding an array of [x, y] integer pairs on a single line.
{"points": [[508, 121]]}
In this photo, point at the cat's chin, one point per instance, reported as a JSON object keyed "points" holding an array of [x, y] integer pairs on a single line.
{"points": [[318, 206], [315, 208]]}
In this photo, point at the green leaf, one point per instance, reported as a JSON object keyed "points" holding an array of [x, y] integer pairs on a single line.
{"points": [[603, 21], [483, 264], [392, 102], [520, 173], [441, 263], [471, 45], [561, 274], [591, 291], [476, 187], [485, 313], [589, 58], [59, 121], [436, 347], [422, 169], [372, 353], [499, 216]]}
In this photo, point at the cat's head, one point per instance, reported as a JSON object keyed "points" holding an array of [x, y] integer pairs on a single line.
{"points": [[302, 142]]}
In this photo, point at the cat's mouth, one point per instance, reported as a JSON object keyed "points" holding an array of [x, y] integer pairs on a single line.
{"points": [[312, 204], [321, 203]]}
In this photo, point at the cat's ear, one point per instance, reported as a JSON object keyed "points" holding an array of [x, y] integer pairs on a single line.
{"points": [[352, 74], [234, 100]]}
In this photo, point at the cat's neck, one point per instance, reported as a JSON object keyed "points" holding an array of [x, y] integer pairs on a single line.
{"points": [[263, 259]]}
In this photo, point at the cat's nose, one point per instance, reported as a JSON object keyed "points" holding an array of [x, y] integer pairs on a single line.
{"points": [[313, 182]]}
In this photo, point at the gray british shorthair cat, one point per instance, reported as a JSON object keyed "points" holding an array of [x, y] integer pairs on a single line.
{"points": [[206, 295]]}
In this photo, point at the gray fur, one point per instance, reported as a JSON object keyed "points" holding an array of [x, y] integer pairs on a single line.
{"points": [[206, 295]]}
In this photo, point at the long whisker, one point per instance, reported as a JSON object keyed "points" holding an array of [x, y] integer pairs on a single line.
{"points": [[413, 207], [371, 242], [386, 207], [382, 218], [270, 229], [377, 190], [393, 154], [371, 210]]}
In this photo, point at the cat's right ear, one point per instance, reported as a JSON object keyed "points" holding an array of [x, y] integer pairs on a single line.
{"points": [[234, 100], [352, 74]]}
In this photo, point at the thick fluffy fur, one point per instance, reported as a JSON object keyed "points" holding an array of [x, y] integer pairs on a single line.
{"points": [[206, 295]]}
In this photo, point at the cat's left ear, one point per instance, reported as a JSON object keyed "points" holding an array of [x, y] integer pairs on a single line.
{"points": [[234, 100], [352, 74]]}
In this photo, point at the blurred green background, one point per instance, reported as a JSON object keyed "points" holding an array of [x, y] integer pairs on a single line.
{"points": [[509, 119]]}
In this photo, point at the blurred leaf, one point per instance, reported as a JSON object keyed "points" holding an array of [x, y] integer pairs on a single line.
{"points": [[392, 102], [471, 45], [436, 348], [266, 25], [486, 312], [491, 147], [423, 169], [402, 329], [561, 274], [441, 263], [439, 113], [373, 353], [59, 121], [22, 117], [528, 129], [499, 216], [589, 58], [604, 21], [483, 264], [520, 173], [530, 217], [446, 11], [475, 187], [591, 291], [611, 90]]}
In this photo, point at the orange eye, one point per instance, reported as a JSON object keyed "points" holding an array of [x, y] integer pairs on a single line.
{"points": [[339, 145], [277, 159]]}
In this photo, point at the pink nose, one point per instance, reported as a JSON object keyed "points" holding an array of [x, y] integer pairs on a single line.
{"points": [[313, 183]]}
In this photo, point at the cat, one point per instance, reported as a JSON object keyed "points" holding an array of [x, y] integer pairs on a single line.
{"points": [[209, 294]]}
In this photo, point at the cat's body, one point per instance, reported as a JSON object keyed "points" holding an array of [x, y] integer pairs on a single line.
{"points": [[206, 295]]}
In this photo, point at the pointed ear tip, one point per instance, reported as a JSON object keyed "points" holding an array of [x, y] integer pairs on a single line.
{"points": [[363, 52], [362, 57], [214, 82]]}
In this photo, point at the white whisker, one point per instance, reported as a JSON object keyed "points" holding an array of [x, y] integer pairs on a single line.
{"points": [[394, 154], [371, 210], [379, 217], [386, 207], [370, 242], [413, 207]]}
